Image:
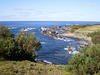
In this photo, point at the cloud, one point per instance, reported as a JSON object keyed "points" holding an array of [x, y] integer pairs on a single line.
{"points": [[30, 9], [17, 9], [90, 4], [36, 14]]}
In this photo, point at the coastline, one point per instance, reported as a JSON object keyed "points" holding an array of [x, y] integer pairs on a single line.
{"points": [[61, 32], [44, 62], [78, 36]]}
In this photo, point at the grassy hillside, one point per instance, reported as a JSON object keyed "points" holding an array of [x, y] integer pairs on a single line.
{"points": [[92, 31], [88, 29], [30, 68]]}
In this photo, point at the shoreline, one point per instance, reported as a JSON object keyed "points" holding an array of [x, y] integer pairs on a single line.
{"points": [[78, 36], [44, 62], [60, 32]]}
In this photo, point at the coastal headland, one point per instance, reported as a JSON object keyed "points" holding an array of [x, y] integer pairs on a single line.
{"points": [[75, 31]]}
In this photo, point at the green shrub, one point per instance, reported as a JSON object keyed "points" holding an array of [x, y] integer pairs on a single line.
{"points": [[80, 26], [5, 32], [95, 37], [7, 48], [86, 63], [19, 49], [97, 33], [26, 43], [72, 30]]}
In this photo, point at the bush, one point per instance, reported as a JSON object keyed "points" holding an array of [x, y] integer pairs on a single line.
{"points": [[72, 30], [19, 49], [7, 48], [95, 37], [97, 33], [86, 63], [5, 32], [26, 43]]}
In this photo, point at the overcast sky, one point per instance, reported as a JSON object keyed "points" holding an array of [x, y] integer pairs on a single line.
{"points": [[49, 10]]}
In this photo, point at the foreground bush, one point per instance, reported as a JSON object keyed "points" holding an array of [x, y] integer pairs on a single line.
{"points": [[7, 48], [87, 63], [26, 43], [19, 49], [5, 32]]}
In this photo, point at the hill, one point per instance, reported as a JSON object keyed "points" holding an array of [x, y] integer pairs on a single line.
{"points": [[30, 68]]}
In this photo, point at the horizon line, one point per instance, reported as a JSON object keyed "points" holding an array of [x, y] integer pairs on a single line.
{"points": [[87, 21]]}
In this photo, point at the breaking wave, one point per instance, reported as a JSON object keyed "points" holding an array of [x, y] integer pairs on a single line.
{"points": [[13, 28], [45, 61], [43, 42]]}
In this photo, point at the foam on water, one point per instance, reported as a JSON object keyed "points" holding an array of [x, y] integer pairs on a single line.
{"points": [[64, 40], [83, 42], [69, 40], [60, 39], [43, 42], [73, 49], [13, 28], [47, 62], [27, 29], [75, 52], [65, 48]]}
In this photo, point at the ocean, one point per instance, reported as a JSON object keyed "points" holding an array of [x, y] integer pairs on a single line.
{"points": [[53, 50]]}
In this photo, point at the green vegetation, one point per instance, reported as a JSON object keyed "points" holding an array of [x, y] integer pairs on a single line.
{"points": [[27, 41], [88, 29], [19, 49], [75, 27], [92, 31], [87, 63], [30, 68], [95, 37]]}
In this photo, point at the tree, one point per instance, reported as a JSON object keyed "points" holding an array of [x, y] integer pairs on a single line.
{"points": [[7, 43], [19, 49], [26, 43], [5, 32], [7, 48]]}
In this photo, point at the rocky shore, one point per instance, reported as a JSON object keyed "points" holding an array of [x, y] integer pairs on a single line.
{"points": [[78, 36], [59, 32], [44, 62], [55, 31]]}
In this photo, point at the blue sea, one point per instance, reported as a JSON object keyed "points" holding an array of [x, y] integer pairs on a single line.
{"points": [[53, 50]]}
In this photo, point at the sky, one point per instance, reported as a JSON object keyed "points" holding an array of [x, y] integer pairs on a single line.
{"points": [[49, 10]]}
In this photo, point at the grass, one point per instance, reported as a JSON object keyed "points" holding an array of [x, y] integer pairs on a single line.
{"points": [[92, 31], [88, 29], [30, 68]]}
